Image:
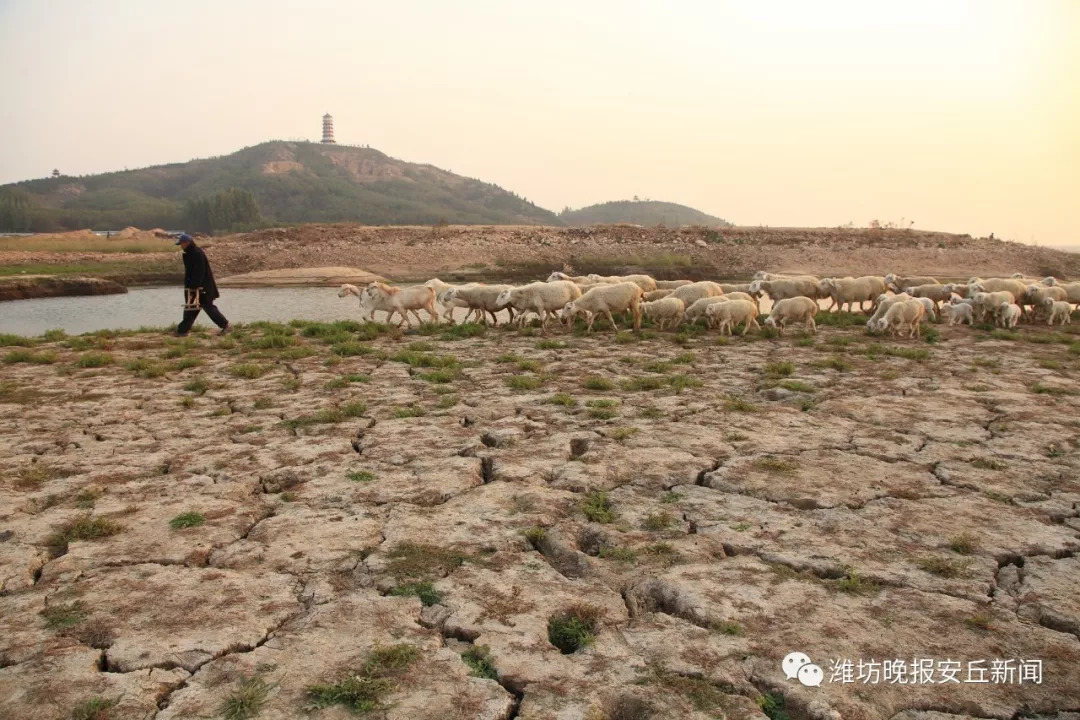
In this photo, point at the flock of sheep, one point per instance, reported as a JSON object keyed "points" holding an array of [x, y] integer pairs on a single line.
{"points": [[795, 299]]}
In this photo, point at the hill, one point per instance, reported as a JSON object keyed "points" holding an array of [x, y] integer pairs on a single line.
{"points": [[639, 212], [290, 182]]}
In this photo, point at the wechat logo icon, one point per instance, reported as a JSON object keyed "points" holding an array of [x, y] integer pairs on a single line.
{"points": [[799, 666]]}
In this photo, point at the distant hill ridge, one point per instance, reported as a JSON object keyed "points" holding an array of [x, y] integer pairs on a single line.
{"points": [[298, 182]]}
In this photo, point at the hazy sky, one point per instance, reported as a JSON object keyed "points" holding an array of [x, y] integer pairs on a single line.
{"points": [[961, 116]]}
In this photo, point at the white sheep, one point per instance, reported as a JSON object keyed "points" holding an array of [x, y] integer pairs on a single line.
{"points": [[1014, 287], [448, 299], [989, 303], [665, 310], [906, 312], [729, 314], [958, 313], [928, 305], [541, 298], [849, 290], [671, 284], [739, 287], [797, 286], [380, 296], [605, 299], [1059, 310], [693, 292], [482, 300], [697, 309], [659, 294], [959, 289], [1010, 314], [1036, 295], [1072, 291], [794, 309], [934, 292], [899, 284], [576, 279], [645, 282], [884, 302]]}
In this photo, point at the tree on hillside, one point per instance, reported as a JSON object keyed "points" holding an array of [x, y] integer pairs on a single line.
{"points": [[227, 210], [15, 210]]}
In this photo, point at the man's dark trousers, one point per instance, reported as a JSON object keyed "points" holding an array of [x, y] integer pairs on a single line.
{"points": [[211, 311]]}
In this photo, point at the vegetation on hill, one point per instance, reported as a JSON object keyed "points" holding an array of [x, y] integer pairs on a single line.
{"points": [[288, 182], [639, 212]]}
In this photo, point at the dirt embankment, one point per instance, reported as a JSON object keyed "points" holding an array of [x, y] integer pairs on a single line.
{"points": [[41, 286], [416, 253]]}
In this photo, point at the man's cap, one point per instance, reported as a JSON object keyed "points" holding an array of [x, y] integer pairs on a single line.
{"points": [[184, 237]]}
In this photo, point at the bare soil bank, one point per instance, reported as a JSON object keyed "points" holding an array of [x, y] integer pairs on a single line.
{"points": [[461, 252], [41, 286], [301, 506]]}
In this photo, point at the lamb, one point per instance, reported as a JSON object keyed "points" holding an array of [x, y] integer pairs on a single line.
{"points": [[732, 312], [1036, 296], [655, 295], [958, 289], [605, 299], [958, 313], [1049, 280], [665, 310], [1009, 314], [739, 287], [906, 312], [884, 302], [693, 292], [697, 309], [1058, 311], [482, 300], [899, 284], [447, 299], [933, 291], [798, 286], [793, 309], [1072, 292], [671, 284], [645, 282], [850, 290], [989, 303], [539, 297], [380, 296]]}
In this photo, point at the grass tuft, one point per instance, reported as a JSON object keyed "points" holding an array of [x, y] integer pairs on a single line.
{"points": [[574, 628], [481, 663], [246, 700], [425, 591], [597, 507], [187, 520]]}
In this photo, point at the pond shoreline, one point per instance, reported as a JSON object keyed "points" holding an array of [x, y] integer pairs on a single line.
{"points": [[47, 286]]}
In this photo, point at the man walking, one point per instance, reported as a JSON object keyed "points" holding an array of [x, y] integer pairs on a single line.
{"points": [[200, 290]]}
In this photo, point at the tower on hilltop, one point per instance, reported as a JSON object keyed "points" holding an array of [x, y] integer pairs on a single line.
{"points": [[328, 129]]}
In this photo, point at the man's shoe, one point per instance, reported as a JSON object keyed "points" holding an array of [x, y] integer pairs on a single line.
{"points": [[225, 330], [176, 333]]}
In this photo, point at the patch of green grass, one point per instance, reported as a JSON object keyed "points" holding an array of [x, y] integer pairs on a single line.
{"points": [[772, 704], [421, 561], [625, 337], [427, 360], [835, 363], [425, 591], [601, 412], [659, 367], [621, 434], [797, 386], [351, 348], [597, 507], [447, 401], [659, 521], [550, 344], [529, 365], [738, 404], [364, 691], [1048, 364], [187, 520], [619, 554], [776, 465], [197, 385], [728, 627], [598, 383], [481, 663], [643, 384], [943, 566], [187, 363], [43, 357], [93, 360], [146, 368], [409, 412], [930, 334], [840, 319], [805, 342], [246, 700], [248, 371], [986, 463], [650, 412], [964, 543], [564, 399], [1040, 389], [1000, 334], [980, 621], [524, 382], [326, 416], [679, 383], [855, 584], [669, 497], [769, 333], [464, 331], [83, 527], [535, 535], [507, 358], [360, 476], [574, 628], [998, 497], [64, 616], [441, 376], [8, 340], [779, 369], [909, 353], [94, 709]]}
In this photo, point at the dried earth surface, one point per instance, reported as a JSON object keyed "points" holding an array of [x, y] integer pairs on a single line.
{"points": [[189, 527]]}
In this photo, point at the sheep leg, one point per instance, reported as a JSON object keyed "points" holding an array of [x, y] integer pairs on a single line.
{"points": [[430, 307], [812, 325], [611, 320]]}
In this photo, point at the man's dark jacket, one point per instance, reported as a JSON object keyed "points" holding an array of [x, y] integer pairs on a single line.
{"points": [[197, 273]]}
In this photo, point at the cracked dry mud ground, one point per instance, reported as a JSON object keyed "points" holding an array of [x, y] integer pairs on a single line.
{"points": [[879, 506]]}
